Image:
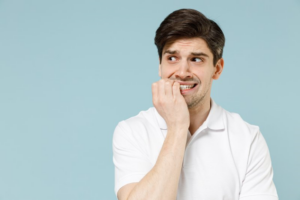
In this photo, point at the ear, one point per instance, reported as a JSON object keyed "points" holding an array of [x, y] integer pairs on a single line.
{"points": [[218, 69]]}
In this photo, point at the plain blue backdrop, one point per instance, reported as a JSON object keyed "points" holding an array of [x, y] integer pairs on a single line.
{"points": [[71, 70]]}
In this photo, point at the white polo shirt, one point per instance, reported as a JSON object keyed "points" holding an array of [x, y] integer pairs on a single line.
{"points": [[225, 159]]}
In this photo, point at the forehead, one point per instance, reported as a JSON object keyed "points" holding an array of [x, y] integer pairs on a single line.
{"points": [[188, 45]]}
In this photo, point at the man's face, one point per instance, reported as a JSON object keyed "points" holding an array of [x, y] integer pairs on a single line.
{"points": [[190, 62]]}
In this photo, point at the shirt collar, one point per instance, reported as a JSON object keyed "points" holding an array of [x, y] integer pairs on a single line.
{"points": [[215, 117], [214, 120]]}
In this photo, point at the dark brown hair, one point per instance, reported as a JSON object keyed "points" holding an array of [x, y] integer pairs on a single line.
{"points": [[189, 23]]}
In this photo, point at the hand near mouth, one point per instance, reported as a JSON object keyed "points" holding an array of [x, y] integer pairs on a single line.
{"points": [[170, 104]]}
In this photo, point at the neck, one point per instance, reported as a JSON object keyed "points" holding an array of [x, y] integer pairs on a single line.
{"points": [[198, 115]]}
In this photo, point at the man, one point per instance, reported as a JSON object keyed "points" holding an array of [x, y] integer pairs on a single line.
{"points": [[187, 147]]}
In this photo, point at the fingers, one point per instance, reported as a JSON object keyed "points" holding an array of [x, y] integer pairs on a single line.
{"points": [[168, 88], [176, 90], [162, 91], [161, 88]]}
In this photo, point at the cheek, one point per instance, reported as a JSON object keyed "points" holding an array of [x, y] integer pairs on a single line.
{"points": [[204, 77], [199, 73], [166, 72]]}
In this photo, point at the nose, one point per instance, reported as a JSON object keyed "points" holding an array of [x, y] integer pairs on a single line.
{"points": [[183, 72]]}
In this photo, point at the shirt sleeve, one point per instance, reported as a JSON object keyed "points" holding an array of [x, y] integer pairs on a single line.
{"points": [[258, 183], [131, 164]]}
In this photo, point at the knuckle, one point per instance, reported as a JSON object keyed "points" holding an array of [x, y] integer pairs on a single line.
{"points": [[168, 82], [160, 102]]}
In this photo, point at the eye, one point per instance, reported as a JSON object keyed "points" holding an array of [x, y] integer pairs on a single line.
{"points": [[197, 59], [172, 58]]}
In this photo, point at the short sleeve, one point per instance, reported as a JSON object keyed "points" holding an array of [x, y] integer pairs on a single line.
{"points": [[131, 164], [258, 183]]}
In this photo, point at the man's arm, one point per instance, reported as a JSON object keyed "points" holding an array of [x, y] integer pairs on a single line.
{"points": [[161, 182], [258, 182]]}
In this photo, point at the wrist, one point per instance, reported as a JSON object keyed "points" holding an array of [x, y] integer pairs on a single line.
{"points": [[181, 130]]}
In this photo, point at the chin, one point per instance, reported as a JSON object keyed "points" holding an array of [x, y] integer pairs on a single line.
{"points": [[193, 101]]}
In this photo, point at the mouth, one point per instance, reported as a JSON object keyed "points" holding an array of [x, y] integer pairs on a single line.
{"points": [[187, 87]]}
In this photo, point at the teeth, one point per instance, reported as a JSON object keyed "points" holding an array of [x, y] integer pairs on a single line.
{"points": [[184, 87]]}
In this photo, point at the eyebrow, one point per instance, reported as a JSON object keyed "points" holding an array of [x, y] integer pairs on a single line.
{"points": [[193, 53], [170, 52], [199, 54]]}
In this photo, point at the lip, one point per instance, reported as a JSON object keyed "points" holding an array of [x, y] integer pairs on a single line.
{"points": [[186, 83], [189, 91]]}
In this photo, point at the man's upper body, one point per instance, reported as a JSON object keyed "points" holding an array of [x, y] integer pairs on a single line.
{"points": [[224, 157]]}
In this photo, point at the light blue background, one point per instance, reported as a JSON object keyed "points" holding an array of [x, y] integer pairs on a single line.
{"points": [[71, 70]]}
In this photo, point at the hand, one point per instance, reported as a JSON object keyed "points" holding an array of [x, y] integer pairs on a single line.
{"points": [[170, 104]]}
